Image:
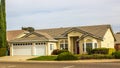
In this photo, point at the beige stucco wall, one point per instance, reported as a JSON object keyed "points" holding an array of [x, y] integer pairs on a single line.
{"points": [[108, 40], [74, 33], [48, 47], [11, 49], [81, 42]]}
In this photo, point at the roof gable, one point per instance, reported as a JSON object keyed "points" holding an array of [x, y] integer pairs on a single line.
{"points": [[83, 32], [74, 29], [33, 34]]}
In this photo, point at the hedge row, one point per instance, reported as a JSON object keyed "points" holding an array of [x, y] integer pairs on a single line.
{"points": [[102, 51]]}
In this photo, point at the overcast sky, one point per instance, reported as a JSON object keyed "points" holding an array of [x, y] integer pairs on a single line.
{"points": [[42, 14]]}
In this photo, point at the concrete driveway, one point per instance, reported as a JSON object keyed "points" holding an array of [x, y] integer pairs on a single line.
{"points": [[16, 58]]}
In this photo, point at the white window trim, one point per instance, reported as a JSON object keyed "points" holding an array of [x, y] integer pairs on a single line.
{"points": [[51, 46], [93, 46], [64, 44]]}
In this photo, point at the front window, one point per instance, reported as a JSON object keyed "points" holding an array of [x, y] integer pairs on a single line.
{"points": [[95, 45], [51, 46], [88, 47], [64, 44]]}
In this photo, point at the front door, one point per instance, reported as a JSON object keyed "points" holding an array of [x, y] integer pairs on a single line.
{"points": [[75, 45]]}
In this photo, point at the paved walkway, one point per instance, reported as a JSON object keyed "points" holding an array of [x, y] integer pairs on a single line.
{"points": [[24, 59]]}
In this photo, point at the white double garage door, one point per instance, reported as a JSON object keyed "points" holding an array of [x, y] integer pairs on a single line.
{"points": [[39, 50]]}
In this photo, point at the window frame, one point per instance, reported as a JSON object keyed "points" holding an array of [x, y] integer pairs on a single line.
{"points": [[64, 44]]}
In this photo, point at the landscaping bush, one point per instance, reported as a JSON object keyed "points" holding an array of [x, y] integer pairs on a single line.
{"points": [[116, 54], [2, 51], [111, 50], [66, 56], [96, 56], [57, 51]]}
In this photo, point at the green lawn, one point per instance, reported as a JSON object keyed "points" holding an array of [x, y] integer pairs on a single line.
{"points": [[44, 58]]}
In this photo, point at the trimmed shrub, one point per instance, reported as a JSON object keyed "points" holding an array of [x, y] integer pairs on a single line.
{"points": [[103, 51], [57, 51], [101, 56], [89, 50], [2, 51], [100, 51], [62, 51], [96, 56], [66, 56], [116, 54]]}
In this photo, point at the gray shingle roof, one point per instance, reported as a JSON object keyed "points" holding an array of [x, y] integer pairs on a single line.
{"points": [[97, 30]]}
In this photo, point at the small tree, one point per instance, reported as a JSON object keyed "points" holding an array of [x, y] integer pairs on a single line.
{"points": [[29, 29], [2, 25]]}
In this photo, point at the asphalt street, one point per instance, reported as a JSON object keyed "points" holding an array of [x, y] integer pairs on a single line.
{"points": [[57, 65]]}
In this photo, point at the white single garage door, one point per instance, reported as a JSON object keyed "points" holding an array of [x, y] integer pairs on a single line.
{"points": [[22, 49], [40, 50]]}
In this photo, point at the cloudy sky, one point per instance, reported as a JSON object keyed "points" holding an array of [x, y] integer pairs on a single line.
{"points": [[42, 14]]}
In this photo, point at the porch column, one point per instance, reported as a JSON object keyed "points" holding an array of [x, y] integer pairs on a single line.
{"points": [[11, 50], [85, 47], [64, 43], [93, 45], [69, 44]]}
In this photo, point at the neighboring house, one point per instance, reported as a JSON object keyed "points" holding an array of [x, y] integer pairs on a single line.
{"points": [[117, 43], [74, 39]]}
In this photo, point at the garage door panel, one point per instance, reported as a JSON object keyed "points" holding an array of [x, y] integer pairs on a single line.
{"points": [[22, 50], [40, 50]]}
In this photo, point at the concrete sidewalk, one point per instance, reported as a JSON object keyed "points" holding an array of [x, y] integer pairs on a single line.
{"points": [[16, 58]]}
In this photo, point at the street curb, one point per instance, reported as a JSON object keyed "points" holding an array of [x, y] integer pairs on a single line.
{"points": [[80, 61]]}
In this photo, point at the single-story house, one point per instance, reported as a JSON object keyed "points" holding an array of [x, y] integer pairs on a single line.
{"points": [[117, 43], [74, 39]]}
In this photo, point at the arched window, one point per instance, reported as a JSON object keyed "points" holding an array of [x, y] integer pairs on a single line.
{"points": [[89, 45]]}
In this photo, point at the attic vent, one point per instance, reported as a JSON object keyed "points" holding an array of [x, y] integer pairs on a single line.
{"points": [[29, 29]]}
